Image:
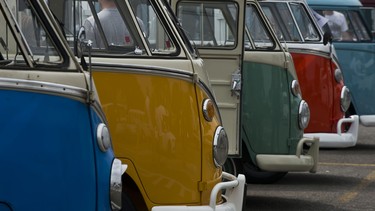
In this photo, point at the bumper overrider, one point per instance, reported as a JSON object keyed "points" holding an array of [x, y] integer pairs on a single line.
{"points": [[292, 163], [234, 195], [339, 139]]}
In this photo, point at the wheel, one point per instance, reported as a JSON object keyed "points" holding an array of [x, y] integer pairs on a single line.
{"points": [[254, 175], [126, 203]]}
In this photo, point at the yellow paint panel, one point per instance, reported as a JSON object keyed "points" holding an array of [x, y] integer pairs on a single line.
{"points": [[154, 122]]}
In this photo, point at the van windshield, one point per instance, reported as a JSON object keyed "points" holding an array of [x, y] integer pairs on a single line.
{"points": [[291, 22], [346, 25], [114, 28], [24, 38]]}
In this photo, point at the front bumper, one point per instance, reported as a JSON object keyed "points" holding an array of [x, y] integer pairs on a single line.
{"points": [[339, 139], [234, 196], [289, 163]]}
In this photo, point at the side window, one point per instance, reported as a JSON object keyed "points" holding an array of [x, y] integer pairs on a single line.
{"points": [[159, 40], [209, 25], [9, 51], [361, 33], [41, 49], [282, 20], [304, 22], [257, 30], [346, 25]]}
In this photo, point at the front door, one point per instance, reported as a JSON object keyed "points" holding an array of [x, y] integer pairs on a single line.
{"points": [[216, 28]]}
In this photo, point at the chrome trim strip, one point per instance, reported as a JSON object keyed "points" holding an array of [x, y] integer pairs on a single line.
{"points": [[43, 87]]}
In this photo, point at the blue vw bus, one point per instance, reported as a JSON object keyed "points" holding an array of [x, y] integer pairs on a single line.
{"points": [[55, 148], [356, 52]]}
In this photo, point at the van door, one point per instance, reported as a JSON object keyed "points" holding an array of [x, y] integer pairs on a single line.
{"points": [[216, 28], [266, 101]]}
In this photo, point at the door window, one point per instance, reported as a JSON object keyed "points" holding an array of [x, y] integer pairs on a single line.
{"points": [[209, 25]]}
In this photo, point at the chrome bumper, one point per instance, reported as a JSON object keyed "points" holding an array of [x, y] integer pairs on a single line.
{"points": [[234, 196], [367, 120], [297, 162], [339, 139]]}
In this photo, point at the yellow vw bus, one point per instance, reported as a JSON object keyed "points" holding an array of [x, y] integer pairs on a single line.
{"points": [[162, 116]]}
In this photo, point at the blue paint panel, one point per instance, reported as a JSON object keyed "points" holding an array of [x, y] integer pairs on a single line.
{"points": [[46, 153], [357, 62], [103, 167]]}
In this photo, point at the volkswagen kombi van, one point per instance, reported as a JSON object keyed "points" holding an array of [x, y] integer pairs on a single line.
{"points": [[356, 52], [55, 149], [256, 87], [162, 116], [318, 72]]}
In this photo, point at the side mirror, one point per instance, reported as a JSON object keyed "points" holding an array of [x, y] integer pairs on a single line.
{"points": [[327, 37]]}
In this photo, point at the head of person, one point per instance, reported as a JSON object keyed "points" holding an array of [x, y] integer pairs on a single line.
{"points": [[328, 12], [107, 3]]}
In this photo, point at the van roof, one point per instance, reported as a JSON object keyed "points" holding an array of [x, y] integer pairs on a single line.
{"points": [[355, 3]]}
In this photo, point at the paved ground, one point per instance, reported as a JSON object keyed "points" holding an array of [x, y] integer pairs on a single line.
{"points": [[345, 181]]}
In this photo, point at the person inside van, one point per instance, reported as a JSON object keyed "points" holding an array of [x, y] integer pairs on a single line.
{"points": [[337, 24], [114, 28]]}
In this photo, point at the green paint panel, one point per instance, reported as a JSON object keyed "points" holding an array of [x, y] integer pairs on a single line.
{"points": [[268, 122]]}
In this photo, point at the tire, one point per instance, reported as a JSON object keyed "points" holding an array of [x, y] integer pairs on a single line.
{"points": [[126, 203], [254, 175]]}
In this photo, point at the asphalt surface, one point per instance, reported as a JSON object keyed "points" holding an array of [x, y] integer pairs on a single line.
{"points": [[345, 181]]}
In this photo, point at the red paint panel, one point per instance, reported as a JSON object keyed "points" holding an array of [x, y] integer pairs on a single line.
{"points": [[320, 90]]}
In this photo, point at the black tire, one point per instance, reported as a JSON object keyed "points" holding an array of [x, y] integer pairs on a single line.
{"points": [[127, 204], [254, 175]]}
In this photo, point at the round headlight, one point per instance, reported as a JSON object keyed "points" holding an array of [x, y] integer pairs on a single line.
{"points": [[303, 115], [338, 76], [345, 99], [296, 89], [220, 146], [116, 183], [103, 137]]}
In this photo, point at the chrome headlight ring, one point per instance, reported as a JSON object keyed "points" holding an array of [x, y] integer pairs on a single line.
{"points": [[345, 99], [303, 115], [220, 146]]}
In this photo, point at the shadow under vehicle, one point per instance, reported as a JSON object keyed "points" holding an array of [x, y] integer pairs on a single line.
{"points": [[161, 113], [55, 149], [255, 85]]}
